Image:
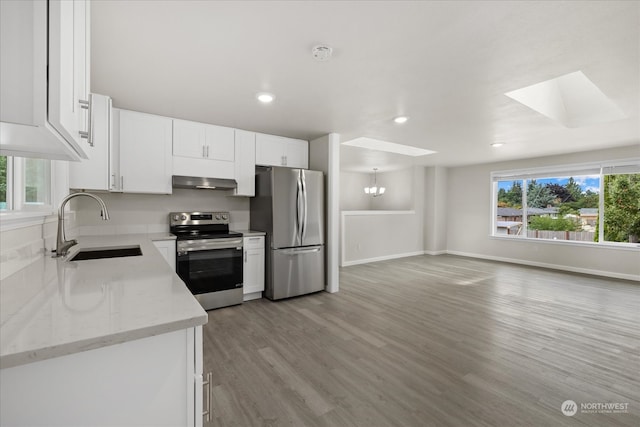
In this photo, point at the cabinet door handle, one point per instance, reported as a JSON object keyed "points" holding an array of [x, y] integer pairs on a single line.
{"points": [[121, 183], [204, 151], [206, 414], [245, 257], [88, 134], [207, 151], [113, 181]]}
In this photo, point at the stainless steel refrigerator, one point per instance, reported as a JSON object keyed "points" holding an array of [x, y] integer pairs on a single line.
{"points": [[289, 207]]}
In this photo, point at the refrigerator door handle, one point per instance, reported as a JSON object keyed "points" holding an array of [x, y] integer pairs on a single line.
{"points": [[304, 204], [301, 251], [299, 208]]}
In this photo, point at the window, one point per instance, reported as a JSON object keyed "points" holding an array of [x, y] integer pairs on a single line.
{"points": [[621, 202], [25, 184], [566, 203]]}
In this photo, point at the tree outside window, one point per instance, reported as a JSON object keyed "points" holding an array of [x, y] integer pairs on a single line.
{"points": [[622, 208]]}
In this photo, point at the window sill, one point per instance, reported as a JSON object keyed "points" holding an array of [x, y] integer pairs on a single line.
{"points": [[605, 245], [15, 220]]}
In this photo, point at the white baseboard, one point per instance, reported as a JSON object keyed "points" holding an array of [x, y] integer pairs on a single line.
{"points": [[611, 274], [435, 252], [380, 258], [252, 296]]}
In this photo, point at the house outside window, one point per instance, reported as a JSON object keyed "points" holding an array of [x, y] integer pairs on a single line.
{"points": [[566, 203]]}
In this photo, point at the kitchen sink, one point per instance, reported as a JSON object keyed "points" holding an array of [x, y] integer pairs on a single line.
{"points": [[111, 252]]}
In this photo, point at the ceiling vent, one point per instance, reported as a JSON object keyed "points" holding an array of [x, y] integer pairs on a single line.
{"points": [[321, 52]]}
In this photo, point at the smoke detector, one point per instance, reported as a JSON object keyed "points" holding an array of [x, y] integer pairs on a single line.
{"points": [[321, 52]]}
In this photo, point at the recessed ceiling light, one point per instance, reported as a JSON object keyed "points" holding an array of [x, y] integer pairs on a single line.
{"points": [[265, 97], [401, 119], [497, 144]]}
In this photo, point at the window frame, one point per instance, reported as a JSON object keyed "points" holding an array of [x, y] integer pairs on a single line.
{"points": [[18, 213], [526, 175]]}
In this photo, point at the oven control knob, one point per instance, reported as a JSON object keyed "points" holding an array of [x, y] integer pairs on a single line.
{"points": [[183, 217], [176, 217], [225, 216], [218, 217]]}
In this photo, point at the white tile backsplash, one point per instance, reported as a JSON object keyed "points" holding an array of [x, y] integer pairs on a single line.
{"points": [[147, 213]]}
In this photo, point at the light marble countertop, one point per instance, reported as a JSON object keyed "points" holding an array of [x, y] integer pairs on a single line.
{"points": [[249, 233], [55, 307]]}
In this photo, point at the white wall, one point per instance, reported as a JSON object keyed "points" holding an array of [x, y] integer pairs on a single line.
{"points": [[374, 234], [324, 155], [148, 213], [399, 194], [435, 218], [352, 195], [469, 212]]}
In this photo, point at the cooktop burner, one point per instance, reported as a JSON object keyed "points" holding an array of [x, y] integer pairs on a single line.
{"points": [[201, 225]]}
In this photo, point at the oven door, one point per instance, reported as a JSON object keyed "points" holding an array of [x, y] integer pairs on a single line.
{"points": [[210, 265]]}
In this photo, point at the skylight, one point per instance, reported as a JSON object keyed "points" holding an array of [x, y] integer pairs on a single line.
{"points": [[391, 147], [572, 100]]}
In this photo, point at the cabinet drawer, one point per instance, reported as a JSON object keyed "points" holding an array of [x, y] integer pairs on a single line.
{"points": [[254, 242]]}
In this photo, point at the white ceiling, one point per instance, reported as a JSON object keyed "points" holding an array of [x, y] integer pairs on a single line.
{"points": [[445, 64]]}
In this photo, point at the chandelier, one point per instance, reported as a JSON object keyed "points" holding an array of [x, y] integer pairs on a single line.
{"points": [[374, 190]]}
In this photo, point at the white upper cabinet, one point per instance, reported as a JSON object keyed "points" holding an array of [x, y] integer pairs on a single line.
{"points": [[245, 163], [203, 150], [220, 143], [94, 173], [274, 150], [69, 69], [43, 114], [144, 142], [189, 139]]}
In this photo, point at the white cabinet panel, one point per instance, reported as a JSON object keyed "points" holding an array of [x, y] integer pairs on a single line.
{"points": [[188, 139], [145, 152], [149, 381], [253, 271], [68, 68], [297, 153], [203, 150], [168, 250], [272, 150], [245, 163], [220, 143], [93, 173], [44, 73]]}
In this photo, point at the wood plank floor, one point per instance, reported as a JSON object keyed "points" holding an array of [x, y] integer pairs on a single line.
{"points": [[430, 341]]}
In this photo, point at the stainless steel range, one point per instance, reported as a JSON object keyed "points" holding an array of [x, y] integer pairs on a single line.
{"points": [[208, 257]]}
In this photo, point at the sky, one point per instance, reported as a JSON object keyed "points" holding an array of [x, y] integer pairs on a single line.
{"points": [[587, 182]]}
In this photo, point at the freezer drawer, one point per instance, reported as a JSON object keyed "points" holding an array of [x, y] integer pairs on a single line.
{"points": [[295, 271]]}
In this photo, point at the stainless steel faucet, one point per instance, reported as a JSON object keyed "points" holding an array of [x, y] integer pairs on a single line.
{"points": [[63, 245]]}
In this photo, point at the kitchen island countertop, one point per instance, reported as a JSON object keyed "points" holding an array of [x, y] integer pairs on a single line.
{"points": [[55, 307]]}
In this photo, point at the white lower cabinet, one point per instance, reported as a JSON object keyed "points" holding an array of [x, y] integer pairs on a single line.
{"points": [[150, 381], [168, 250], [253, 271]]}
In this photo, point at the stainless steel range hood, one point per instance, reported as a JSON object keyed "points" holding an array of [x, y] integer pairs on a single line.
{"points": [[203, 183]]}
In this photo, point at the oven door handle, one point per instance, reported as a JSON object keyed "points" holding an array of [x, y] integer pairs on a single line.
{"points": [[194, 246]]}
